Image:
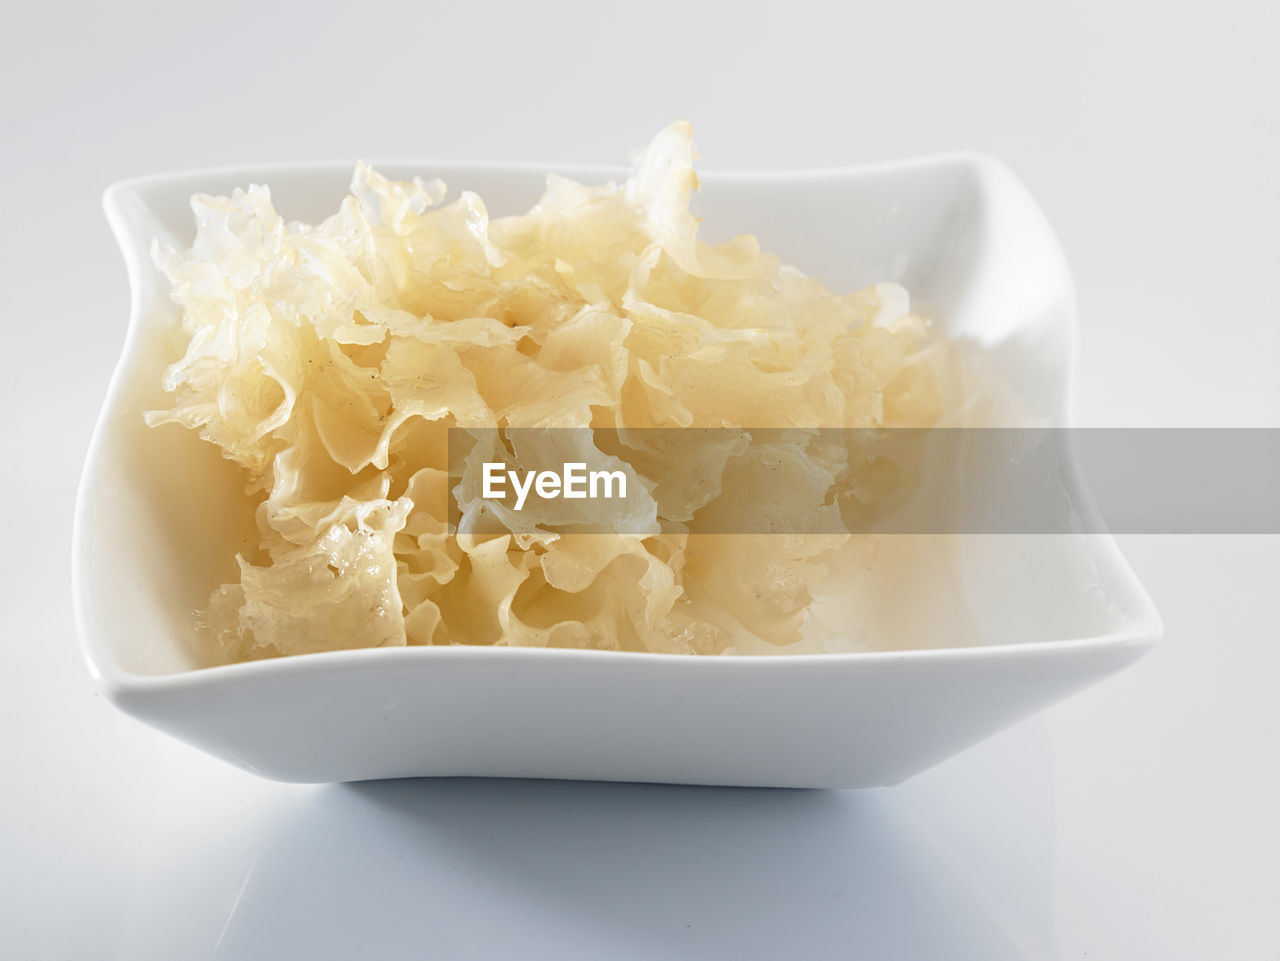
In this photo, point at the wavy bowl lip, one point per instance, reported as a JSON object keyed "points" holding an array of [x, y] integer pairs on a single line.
{"points": [[118, 683]]}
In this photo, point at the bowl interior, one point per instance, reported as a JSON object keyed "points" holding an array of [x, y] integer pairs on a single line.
{"points": [[159, 517]]}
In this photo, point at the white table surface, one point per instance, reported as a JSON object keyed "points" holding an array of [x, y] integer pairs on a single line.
{"points": [[1135, 821]]}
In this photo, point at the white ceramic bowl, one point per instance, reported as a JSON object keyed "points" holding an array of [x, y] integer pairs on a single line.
{"points": [[1050, 614]]}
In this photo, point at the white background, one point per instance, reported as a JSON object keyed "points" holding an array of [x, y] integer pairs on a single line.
{"points": [[1136, 821]]}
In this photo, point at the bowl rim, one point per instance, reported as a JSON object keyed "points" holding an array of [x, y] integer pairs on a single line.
{"points": [[1145, 625], [977, 160]]}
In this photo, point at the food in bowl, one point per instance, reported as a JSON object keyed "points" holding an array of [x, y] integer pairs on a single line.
{"points": [[338, 364]]}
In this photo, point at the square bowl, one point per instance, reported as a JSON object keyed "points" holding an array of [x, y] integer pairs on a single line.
{"points": [[1043, 616]]}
